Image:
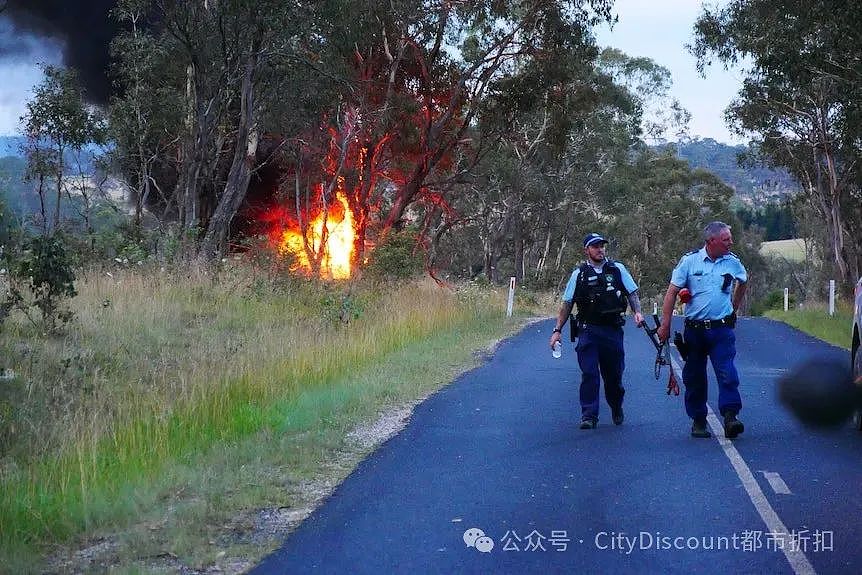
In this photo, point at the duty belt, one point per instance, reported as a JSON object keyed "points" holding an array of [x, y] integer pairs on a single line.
{"points": [[728, 321], [616, 321]]}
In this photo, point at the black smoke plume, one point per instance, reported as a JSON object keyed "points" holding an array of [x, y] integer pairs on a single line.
{"points": [[84, 29]]}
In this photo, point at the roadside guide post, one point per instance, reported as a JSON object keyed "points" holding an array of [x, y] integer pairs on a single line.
{"points": [[511, 297]]}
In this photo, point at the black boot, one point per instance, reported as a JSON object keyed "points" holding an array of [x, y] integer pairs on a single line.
{"points": [[699, 429], [732, 426]]}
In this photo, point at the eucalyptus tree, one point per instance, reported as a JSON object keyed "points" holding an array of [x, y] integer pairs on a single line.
{"points": [[492, 40], [58, 121], [146, 119], [657, 206], [800, 100], [648, 84], [392, 88], [405, 127], [557, 158], [573, 136], [190, 75]]}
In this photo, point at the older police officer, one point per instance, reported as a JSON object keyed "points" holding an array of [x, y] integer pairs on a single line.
{"points": [[709, 274], [601, 288]]}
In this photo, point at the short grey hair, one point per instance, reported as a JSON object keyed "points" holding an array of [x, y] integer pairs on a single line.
{"points": [[713, 229]]}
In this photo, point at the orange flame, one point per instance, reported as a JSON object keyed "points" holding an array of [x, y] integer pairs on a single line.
{"points": [[337, 255]]}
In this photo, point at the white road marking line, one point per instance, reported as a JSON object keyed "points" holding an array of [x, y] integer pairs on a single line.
{"points": [[797, 559], [776, 483]]}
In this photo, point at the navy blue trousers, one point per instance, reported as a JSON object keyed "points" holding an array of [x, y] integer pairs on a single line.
{"points": [[719, 345], [600, 354]]}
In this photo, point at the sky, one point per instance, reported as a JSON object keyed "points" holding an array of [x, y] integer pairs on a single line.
{"points": [[657, 29]]}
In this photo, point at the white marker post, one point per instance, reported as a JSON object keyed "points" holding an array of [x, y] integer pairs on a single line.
{"points": [[786, 298], [654, 308], [511, 297], [831, 298]]}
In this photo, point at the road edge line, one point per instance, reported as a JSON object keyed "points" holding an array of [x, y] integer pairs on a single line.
{"points": [[797, 559]]}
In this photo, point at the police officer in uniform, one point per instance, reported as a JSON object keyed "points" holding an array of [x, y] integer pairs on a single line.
{"points": [[709, 274], [600, 287]]}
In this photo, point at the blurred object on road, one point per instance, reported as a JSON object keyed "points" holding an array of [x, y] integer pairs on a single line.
{"points": [[819, 392]]}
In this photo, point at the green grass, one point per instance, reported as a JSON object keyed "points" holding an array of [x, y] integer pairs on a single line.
{"points": [[817, 322], [793, 250], [189, 401]]}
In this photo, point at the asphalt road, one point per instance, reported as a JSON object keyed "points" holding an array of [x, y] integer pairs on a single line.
{"points": [[499, 450]]}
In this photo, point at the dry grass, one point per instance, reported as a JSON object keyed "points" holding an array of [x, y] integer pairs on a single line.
{"points": [[158, 367]]}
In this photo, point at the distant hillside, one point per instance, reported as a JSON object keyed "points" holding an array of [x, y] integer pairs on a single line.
{"points": [[11, 146], [15, 193], [754, 186]]}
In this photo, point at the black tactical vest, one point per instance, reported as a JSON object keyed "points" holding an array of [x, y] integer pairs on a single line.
{"points": [[601, 297]]}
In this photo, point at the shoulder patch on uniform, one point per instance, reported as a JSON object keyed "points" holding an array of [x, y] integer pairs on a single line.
{"points": [[692, 252], [733, 254]]}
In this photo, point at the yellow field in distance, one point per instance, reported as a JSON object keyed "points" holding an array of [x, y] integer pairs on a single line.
{"points": [[793, 250]]}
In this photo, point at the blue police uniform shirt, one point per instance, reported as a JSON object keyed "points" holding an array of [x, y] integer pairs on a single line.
{"points": [[628, 281], [704, 278]]}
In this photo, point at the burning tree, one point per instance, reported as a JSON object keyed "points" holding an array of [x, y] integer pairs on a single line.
{"points": [[405, 133], [323, 215], [347, 184], [399, 83]]}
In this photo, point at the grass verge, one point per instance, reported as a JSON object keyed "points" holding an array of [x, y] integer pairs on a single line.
{"points": [[200, 450], [816, 321]]}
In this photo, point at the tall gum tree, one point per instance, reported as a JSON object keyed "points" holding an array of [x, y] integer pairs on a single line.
{"points": [[800, 101], [206, 62]]}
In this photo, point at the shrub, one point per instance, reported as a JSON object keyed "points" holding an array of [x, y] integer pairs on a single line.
{"points": [[774, 300], [399, 256], [42, 277]]}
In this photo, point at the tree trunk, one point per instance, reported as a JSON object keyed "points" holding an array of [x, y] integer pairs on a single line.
{"points": [[540, 267], [143, 187], [240, 169], [518, 247], [491, 265], [559, 261], [42, 192], [200, 152], [60, 169], [187, 184], [405, 196], [837, 226]]}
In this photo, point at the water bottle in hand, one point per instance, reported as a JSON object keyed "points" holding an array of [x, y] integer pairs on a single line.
{"points": [[558, 350]]}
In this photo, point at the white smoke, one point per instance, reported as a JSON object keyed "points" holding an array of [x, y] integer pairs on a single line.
{"points": [[21, 57]]}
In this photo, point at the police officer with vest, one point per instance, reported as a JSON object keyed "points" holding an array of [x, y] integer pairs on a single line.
{"points": [[600, 287], [710, 316]]}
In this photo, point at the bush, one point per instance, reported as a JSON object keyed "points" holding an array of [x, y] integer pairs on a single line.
{"points": [[123, 242], [399, 256], [42, 277], [774, 300]]}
